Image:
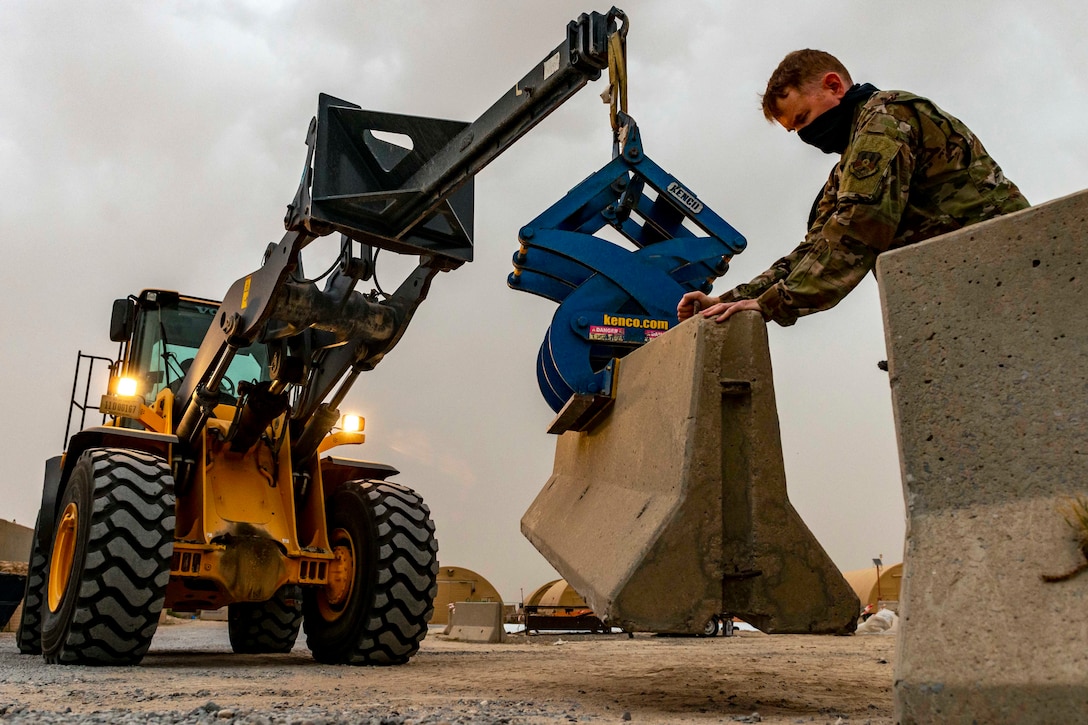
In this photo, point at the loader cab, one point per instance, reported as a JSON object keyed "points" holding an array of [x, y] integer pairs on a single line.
{"points": [[161, 332]]}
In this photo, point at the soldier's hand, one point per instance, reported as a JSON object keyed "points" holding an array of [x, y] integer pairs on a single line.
{"points": [[692, 302], [724, 310]]}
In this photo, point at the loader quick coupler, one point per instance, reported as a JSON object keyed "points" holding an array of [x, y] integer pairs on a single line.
{"points": [[613, 300]]}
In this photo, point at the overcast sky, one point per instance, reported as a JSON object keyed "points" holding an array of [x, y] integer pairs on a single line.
{"points": [[155, 145]]}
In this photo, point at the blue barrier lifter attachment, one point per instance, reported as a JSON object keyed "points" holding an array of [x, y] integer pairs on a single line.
{"points": [[612, 299]]}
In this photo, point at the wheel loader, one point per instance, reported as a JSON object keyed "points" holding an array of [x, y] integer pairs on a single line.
{"points": [[209, 482]]}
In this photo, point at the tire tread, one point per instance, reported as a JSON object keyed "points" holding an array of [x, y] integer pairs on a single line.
{"points": [[122, 587], [404, 585]]}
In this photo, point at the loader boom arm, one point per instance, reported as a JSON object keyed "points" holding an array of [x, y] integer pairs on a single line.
{"points": [[378, 196]]}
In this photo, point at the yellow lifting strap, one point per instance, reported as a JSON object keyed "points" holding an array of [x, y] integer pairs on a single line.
{"points": [[616, 93]]}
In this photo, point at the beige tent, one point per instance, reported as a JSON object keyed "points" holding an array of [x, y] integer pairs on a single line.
{"points": [[458, 584], [559, 595], [557, 606], [877, 593]]}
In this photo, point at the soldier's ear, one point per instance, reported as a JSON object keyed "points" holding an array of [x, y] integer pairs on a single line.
{"points": [[834, 82]]}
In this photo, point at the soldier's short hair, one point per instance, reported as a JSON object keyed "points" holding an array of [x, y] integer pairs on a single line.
{"points": [[797, 70]]}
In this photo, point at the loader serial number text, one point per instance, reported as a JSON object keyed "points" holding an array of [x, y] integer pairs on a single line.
{"points": [[120, 407]]}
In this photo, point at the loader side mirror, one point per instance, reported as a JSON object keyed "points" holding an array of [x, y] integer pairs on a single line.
{"points": [[124, 313]]}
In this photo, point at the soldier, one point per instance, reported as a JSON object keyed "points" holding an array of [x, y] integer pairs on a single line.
{"points": [[908, 172]]}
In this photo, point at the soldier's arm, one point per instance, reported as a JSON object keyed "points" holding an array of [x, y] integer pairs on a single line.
{"points": [[777, 272], [823, 207], [872, 196], [819, 282]]}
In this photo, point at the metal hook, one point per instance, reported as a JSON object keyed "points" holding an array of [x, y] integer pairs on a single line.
{"points": [[616, 13]]}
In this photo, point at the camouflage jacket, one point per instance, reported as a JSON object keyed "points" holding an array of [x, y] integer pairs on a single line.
{"points": [[910, 172]]}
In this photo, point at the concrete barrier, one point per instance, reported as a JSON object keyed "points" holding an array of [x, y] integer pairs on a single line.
{"points": [[987, 334], [476, 622], [674, 507], [14, 541]]}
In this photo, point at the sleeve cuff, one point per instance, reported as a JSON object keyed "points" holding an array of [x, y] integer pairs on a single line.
{"points": [[774, 306]]}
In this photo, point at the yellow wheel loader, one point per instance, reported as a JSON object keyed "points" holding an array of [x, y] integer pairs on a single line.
{"points": [[209, 483]]}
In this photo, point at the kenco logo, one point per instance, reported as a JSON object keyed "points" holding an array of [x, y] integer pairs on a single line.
{"points": [[641, 323], [685, 197]]}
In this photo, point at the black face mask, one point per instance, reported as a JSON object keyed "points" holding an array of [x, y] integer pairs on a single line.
{"points": [[830, 131]]}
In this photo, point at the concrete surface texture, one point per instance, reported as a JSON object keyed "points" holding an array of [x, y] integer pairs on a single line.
{"points": [[674, 507], [476, 622], [987, 334]]}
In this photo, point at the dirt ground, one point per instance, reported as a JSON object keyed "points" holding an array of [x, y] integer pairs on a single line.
{"points": [[528, 679]]}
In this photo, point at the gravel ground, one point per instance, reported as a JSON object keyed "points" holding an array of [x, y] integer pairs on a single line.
{"points": [[190, 676], [288, 714]]}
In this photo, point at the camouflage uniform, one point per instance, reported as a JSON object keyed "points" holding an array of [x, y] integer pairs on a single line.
{"points": [[910, 172]]}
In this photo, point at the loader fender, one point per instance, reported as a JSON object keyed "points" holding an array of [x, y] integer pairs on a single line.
{"points": [[335, 471], [47, 512], [58, 468]]}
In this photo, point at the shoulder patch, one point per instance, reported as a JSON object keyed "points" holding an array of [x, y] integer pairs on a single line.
{"points": [[865, 163]]}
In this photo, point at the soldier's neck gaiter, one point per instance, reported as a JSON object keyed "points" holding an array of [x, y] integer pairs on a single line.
{"points": [[830, 131]]}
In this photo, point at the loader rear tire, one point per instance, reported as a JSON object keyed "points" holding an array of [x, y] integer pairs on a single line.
{"points": [[381, 590], [266, 627], [110, 559], [29, 636]]}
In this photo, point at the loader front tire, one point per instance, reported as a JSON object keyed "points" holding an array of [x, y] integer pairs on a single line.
{"points": [[29, 635], [380, 595], [110, 559], [266, 627]]}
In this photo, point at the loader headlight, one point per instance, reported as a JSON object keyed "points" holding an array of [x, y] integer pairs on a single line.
{"points": [[351, 423], [126, 387]]}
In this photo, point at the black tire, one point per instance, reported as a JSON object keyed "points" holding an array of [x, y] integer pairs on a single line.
{"points": [[29, 636], [110, 559], [266, 627], [710, 629], [377, 614]]}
